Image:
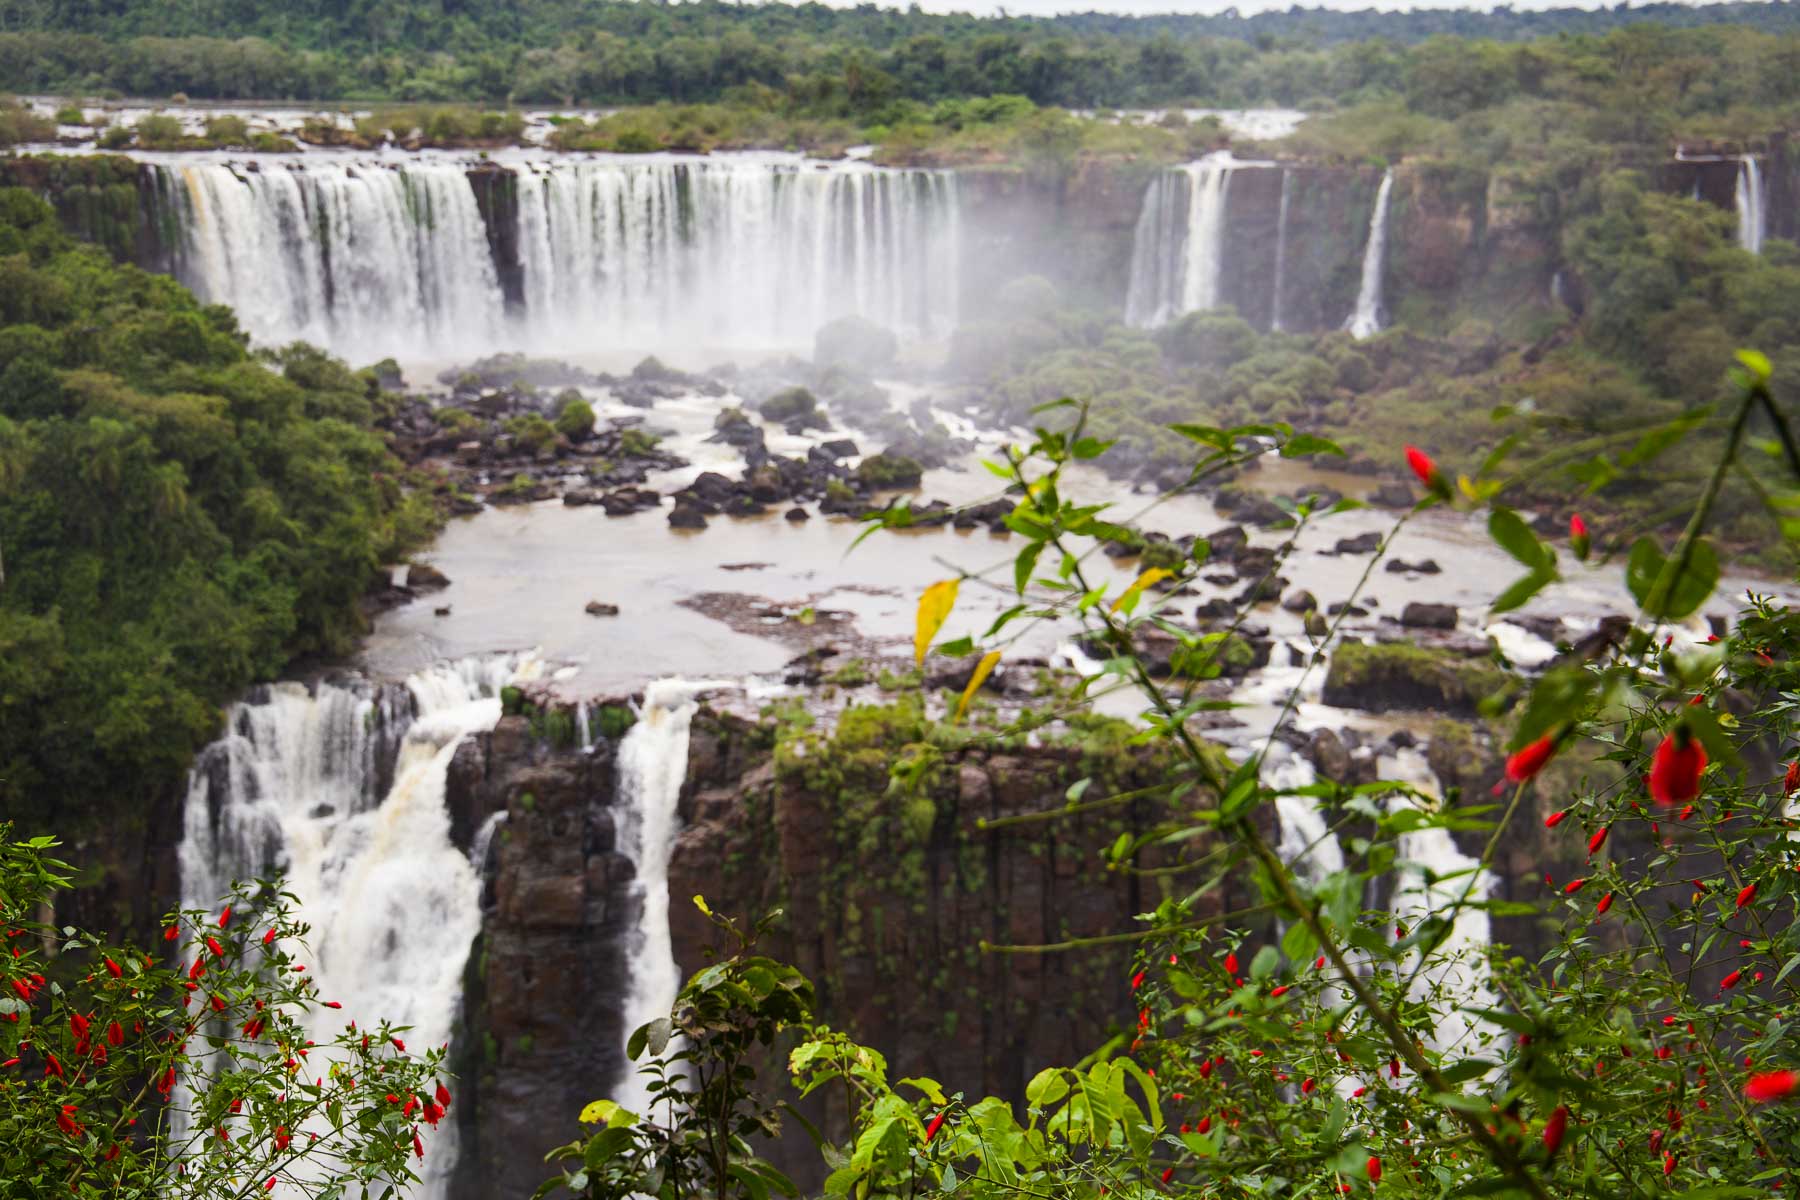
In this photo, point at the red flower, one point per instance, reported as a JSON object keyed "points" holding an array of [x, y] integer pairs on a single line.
{"points": [[1427, 471], [1137, 981], [65, 1121], [1605, 903], [51, 1066], [115, 1034], [1555, 1128], [1675, 768], [398, 1044], [418, 1146], [225, 917], [1772, 1085], [1597, 841], [1530, 760], [1578, 537], [936, 1124], [1574, 886], [1555, 819], [268, 937], [1168, 1173], [1307, 1087], [443, 1095], [1731, 980], [1374, 1169], [1279, 991], [113, 969], [282, 1137], [1790, 783], [1231, 963], [212, 943], [1746, 896], [1668, 1162], [171, 933]]}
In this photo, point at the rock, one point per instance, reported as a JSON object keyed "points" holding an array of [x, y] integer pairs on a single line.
{"points": [[1220, 579], [1425, 566], [1228, 543], [1362, 543], [1299, 601], [1263, 590], [578, 497], [1393, 495], [468, 453], [787, 405], [1252, 508], [441, 612], [1322, 496], [596, 609], [882, 472], [1214, 610], [1401, 675], [1421, 615], [465, 506], [743, 506], [423, 577], [685, 517], [1328, 755], [712, 487], [796, 514], [838, 448]]}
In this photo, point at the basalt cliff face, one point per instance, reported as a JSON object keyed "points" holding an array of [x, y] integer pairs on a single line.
{"points": [[887, 896]]}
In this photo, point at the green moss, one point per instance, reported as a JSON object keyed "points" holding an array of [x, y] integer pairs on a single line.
{"points": [[512, 701], [610, 721], [559, 728], [527, 802], [888, 471], [907, 681], [1404, 675], [457, 420], [635, 443], [854, 673]]}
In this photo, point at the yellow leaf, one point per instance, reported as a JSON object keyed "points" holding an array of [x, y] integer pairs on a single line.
{"points": [[983, 669], [1467, 486], [605, 1112], [700, 903], [934, 610], [1129, 598]]}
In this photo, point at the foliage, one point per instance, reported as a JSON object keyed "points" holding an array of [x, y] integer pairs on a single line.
{"points": [[177, 519], [1385, 1046], [193, 1073]]}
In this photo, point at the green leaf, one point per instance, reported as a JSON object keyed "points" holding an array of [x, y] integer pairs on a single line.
{"points": [[1025, 564], [657, 1034], [1205, 434], [1298, 943], [1046, 1087], [1088, 447], [1509, 530], [1658, 590], [1305, 443], [1522, 589], [1263, 965]]}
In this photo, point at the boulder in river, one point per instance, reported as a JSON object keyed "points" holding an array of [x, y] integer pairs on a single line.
{"points": [[797, 514], [684, 516], [1298, 601], [596, 608], [1425, 566], [1362, 543], [1422, 615], [423, 577]]}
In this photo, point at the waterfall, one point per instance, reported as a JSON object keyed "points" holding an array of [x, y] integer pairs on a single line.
{"points": [[1752, 214], [1281, 223], [1179, 241], [297, 786], [1433, 873], [652, 765], [369, 257], [1366, 320], [1307, 843]]}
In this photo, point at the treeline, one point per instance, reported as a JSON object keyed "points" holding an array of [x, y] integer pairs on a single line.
{"points": [[579, 51], [177, 519]]}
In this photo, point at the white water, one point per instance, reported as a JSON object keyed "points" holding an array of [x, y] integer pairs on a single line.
{"points": [[371, 257], [652, 765], [1752, 213], [1458, 973], [1179, 242], [1281, 226], [748, 250], [1366, 320], [1307, 843], [393, 905]]}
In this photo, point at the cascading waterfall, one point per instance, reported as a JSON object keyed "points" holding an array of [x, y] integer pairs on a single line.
{"points": [[1281, 223], [1179, 241], [1366, 320], [748, 250], [1433, 875], [1752, 215], [652, 765], [295, 787], [1307, 843], [370, 257]]}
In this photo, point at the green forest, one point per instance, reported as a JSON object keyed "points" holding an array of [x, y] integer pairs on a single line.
{"points": [[602, 53], [182, 518]]}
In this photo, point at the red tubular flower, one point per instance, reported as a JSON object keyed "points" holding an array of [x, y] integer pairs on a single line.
{"points": [[1231, 963], [1574, 886], [418, 1146], [212, 943], [1656, 1141], [1394, 1067], [1137, 981], [65, 1121], [1374, 1169], [1675, 768], [398, 1044], [225, 917], [113, 969], [1731, 980], [1204, 1125], [171, 933], [282, 1137], [1668, 1162], [1790, 783], [51, 1066], [1579, 541], [1427, 471], [937, 1123], [269, 1186], [1746, 896], [1306, 1088], [1555, 819], [1555, 1128], [1168, 1173], [1772, 1085], [198, 969], [1279, 991], [1598, 840], [1525, 763], [115, 1034], [443, 1095]]}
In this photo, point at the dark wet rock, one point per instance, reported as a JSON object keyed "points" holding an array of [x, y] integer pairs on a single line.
{"points": [[1425, 566], [1299, 601], [796, 514], [578, 497], [788, 405], [1220, 579], [441, 611], [1355, 610], [743, 506], [1215, 609], [1323, 496], [886, 471], [686, 517], [423, 577], [1362, 543], [838, 448], [712, 487], [1228, 542], [1255, 561], [1422, 615], [809, 668], [465, 506], [596, 608], [1393, 495], [1328, 755], [1250, 508], [1265, 590], [1402, 675], [990, 513]]}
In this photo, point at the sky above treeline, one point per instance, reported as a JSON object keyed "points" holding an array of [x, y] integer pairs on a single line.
{"points": [[1046, 8]]}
